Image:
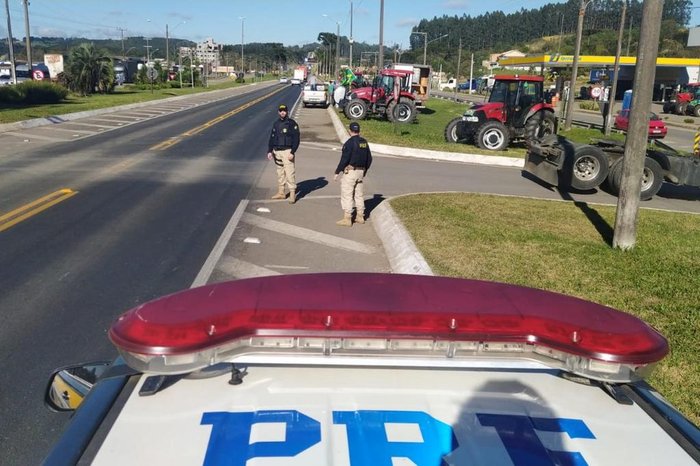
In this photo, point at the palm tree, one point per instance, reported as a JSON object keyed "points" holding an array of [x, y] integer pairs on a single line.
{"points": [[91, 70]]}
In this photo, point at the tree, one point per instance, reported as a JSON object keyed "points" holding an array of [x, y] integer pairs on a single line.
{"points": [[90, 70]]}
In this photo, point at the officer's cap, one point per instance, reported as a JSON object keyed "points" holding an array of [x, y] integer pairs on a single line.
{"points": [[355, 127], [282, 108]]}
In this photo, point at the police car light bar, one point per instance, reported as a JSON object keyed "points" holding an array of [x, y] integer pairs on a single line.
{"points": [[372, 318]]}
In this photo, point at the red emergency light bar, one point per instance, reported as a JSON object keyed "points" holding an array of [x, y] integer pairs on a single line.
{"points": [[391, 316]]}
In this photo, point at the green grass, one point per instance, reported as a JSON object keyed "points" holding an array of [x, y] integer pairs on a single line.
{"points": [[429, 131], [565, 247], [122, 96]]}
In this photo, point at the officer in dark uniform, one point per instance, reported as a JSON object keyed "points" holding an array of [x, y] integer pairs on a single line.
{"points": [[282, 147], [354, 164]]}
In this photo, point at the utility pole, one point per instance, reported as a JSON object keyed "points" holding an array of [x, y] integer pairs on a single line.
{"points": [[574, 66], [242, 18], [9, 43], [351, 39], [28, 38], [459, 64], [167, 50], [616, 69], [636, 143], [121, 30], [380, 64]]}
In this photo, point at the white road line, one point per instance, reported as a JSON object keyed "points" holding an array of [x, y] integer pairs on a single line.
{"points": [[215, 254], [307, 234], [34, 136], [237, 268]]}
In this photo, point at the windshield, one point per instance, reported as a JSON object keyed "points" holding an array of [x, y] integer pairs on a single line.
{"points": [[500, 90]]}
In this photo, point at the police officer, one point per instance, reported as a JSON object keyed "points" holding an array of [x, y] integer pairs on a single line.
{"points": [[283, 145], [354, 164]]}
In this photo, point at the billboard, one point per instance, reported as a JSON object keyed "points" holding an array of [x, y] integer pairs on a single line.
{"points": [[54, 62], [694, 37]]}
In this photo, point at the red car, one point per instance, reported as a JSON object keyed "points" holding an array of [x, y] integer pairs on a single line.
{"points": [[657, 127]]}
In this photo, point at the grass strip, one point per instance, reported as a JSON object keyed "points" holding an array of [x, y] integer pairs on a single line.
{"points": [[565, 247]]}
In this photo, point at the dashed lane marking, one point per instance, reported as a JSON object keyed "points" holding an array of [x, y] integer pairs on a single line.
{"points": [[307, 234]]}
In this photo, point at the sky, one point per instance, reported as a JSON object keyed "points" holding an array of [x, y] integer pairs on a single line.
{"points": [[295, 22]]}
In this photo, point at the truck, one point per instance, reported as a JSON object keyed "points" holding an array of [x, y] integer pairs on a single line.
{"points": [[419, 83], [126, 70], [299, 76], [305, 370], [560, 162]]}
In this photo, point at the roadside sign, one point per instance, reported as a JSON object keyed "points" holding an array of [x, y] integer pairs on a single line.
{"points": [[38, 75], [152, 74]]}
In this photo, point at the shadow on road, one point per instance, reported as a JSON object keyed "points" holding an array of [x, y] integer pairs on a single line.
{"points": [[308, 186]]}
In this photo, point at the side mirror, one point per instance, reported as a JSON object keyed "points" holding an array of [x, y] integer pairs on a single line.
{"points": [[68, 386]]}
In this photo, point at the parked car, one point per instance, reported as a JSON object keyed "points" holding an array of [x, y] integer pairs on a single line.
{"points": [[657, 127], [284, 80], [5, 79], [315, 94], [296, 82]]}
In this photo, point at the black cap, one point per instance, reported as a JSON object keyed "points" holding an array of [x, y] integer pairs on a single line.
{"points": [[282, 108], [355, 127]]}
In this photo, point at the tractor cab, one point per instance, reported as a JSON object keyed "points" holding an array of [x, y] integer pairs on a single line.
{"points": [[516, 98]]}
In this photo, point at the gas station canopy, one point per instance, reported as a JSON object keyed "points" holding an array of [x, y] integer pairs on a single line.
{"points": [[564, 61]]}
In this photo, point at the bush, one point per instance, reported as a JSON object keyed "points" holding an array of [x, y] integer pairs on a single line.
{"points": [[240, 80], [688, 120], [11, 95], [588, 105], [42, 92]]}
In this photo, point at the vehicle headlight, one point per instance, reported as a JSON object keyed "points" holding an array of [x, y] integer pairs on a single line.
{"points": [[468, 112]]}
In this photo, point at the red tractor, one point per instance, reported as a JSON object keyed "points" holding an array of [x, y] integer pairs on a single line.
{"points": [[515, 110], [681, 97], [389, 95]]}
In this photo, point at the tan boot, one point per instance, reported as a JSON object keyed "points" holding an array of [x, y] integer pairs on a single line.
{"points": [[360, 217], [292, 196], [346, 221], [280, 193]]}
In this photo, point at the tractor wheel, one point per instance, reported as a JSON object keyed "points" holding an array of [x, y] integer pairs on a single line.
{"points": [[668, 107], [696, 110], [589, 168], [652, 177], [493, 135], [403, 111], [539, 125], [356, 109], [681, 108], [455, 133]]}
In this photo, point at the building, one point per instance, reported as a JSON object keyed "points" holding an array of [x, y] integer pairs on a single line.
{"points": [[208, 52]]}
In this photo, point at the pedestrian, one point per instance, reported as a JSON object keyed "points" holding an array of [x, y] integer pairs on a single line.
{"points": [[282, 148], [355, 161]]}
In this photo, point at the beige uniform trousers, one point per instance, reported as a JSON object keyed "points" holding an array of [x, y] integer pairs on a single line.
{"points": [[286, 174], [352, 191]]}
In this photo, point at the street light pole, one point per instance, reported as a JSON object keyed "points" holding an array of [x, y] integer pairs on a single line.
{"points": [[9, 43], [574, 66], [425, 45], [242, 18], [351, 39]]}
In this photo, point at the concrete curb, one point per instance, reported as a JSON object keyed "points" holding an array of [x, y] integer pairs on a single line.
{"points": [[401, 251], [52, 120]]}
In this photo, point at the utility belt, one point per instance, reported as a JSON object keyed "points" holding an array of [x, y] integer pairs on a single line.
{"points": [[350, 168], [281, 148]]}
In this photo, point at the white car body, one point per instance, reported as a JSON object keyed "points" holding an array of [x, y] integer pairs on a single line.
{"points": [[302, 370]]}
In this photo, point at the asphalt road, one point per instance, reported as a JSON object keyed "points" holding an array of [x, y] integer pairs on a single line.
{"points": [[141, 225], [143, 221]]}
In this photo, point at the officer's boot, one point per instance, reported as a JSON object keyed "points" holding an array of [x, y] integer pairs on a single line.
{"points": [[346, 221], [292, 196], [280, 193], [360, 217]]}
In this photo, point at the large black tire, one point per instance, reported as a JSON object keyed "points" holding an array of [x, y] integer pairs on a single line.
{"points": [[652, 177], [356, 109], [403, 111], [454, 131], [539, 125], [614, 179], [589, 167], [668, 107], [696, 110], [493, 135], [681, 108]]}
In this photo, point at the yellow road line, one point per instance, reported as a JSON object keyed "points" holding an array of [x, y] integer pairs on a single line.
{"points": [[174, 140], [12, 218]]}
